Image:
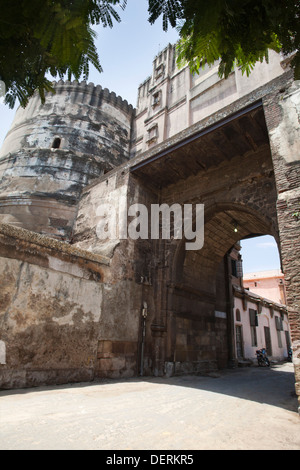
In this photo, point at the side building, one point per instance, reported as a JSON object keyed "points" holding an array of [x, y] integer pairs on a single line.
{"points": [[260, 321], [268, 284]]}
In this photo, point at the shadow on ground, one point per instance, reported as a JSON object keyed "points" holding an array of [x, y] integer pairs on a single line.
{"points": [[273, 386]]}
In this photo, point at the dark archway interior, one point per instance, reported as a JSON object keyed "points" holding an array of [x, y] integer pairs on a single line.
{"points": [[201, 301], [223, 229]]}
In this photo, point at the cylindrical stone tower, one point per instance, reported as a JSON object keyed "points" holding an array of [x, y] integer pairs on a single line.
{"points": [[54, 150]]}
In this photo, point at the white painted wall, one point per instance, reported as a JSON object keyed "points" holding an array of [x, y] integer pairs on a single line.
{"points": [[264, 319]]}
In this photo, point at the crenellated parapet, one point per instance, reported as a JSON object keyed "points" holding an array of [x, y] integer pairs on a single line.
{"points": [[93, 95]]}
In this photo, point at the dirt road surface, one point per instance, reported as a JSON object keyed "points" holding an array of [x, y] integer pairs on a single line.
{"points": [[238, 409]]}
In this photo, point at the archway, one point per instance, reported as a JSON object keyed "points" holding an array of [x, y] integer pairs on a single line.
{"points": [[200, 300]]}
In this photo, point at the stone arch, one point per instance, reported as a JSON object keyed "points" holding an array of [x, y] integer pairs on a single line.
{"points": [[265, 319], [200, 303], [238, 317], [219, 234]]}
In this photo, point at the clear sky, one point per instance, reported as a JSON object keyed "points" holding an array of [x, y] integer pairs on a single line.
{"points": [[126, 53], [260, 254]]}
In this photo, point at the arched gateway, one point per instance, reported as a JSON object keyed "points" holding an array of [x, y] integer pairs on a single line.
{"points": [[228, 168]]}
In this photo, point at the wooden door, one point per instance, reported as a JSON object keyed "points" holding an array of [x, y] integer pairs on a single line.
{"points": [[239, 341], [268, 341]]}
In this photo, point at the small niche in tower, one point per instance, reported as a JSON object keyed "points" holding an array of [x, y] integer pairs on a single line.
{"points": [[56, 143]]}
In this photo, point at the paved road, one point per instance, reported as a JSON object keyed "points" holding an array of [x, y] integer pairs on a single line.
{"points": [[240, 409]]}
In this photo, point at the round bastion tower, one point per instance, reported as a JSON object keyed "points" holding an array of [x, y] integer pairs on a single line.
{"points": [[55, 149]]}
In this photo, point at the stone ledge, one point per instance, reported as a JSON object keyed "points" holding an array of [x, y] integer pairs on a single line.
{"points": [[50, 243]]}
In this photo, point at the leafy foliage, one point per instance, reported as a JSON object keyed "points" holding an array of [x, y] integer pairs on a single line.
{"points": [[171, 11], [238, 32], [39, 37], [49, 36]]}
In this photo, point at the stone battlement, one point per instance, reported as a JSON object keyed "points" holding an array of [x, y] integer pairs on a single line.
{"points": [[96, 94]]}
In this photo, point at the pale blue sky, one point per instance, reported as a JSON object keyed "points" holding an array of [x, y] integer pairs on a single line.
{"points": [[126, 53], [260, 254]]}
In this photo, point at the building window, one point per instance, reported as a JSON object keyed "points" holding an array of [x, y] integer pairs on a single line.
{"points": [[239, 268], [253, 336], [238, 315], [156, 98], [279, 339], [279, 329], [152, 134], [159, 71], [253, 324], [234, 267], [278, 322], [56, 143]]}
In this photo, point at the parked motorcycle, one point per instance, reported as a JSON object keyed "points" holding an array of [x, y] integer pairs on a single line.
{"points": [[262, 358]]}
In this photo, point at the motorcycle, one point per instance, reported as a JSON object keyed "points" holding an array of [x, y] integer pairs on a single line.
{"points": [[262, 358]]}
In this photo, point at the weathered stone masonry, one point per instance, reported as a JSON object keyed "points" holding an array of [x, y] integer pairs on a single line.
{"points": [[282, 111], [54, 150], [72, 310], [50, 306]]}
